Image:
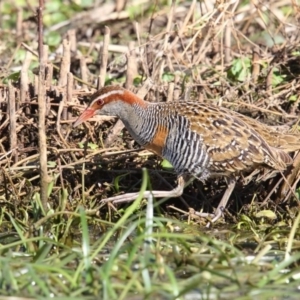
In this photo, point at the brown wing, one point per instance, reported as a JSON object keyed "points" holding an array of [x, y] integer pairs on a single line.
{"points": [[232, 144], [283, 140]]}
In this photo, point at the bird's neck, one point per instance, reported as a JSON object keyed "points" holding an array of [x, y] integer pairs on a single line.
{"points": [[134, 113]]}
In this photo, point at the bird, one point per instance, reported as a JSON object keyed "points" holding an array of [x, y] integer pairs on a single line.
{"points": [[200, 140]]}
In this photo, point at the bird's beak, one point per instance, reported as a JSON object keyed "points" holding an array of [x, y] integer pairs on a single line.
{"points": [[88, 113]]}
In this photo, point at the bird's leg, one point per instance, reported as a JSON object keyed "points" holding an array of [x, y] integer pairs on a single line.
{"points": [[176, 192], [222, 205]]}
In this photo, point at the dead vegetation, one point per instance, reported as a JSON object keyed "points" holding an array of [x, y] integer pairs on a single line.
{"points": [[244, 56]]}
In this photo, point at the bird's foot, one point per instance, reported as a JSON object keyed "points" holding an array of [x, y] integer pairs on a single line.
{"points": [[218, 214], [213, 217]]}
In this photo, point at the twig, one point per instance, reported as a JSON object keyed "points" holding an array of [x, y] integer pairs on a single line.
{"points": [[12, 120], [84, 71], [255, 65], [25, 80], [42, 110], [63, 74], [131, 71], [69, 93], [104, 57]]}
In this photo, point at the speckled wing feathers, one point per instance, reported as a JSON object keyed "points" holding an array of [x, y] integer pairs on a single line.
{"points": [[286, 141], [232, 144]]}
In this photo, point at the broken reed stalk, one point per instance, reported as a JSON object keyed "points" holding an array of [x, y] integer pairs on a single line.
{"points": [[227, 42], [104, 58], [84, 72], [63, 73], [132, 69], [255, 65], [69, 93], [24, 87], [49, 76], [43, 54], [12, 120], [72, 39]]}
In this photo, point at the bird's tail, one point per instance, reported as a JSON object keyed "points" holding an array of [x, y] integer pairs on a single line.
{"points": [[281, 160]]}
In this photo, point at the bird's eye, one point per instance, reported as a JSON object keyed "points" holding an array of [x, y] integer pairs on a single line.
{"points": [[100, 102]]}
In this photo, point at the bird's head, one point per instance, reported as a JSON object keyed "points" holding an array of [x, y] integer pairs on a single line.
{"points": [[106, 101], [111, 101]]}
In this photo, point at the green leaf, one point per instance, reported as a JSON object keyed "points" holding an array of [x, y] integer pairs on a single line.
{"points": [[266, 214], [13, 77], [137, 80], [50, 188], [134, 10], [86, 3], [166, 164], [50, 212], [53, 38], [296, 53], [38, 204], [51, 164], [293, 98], [168, 77], [92, 146], [277, 79], [63, 199], [52, 6], [117, 181], [20, 55], [240, 69]]}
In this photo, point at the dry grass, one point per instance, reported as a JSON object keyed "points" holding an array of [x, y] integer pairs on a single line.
{"points": [[244, 56]]}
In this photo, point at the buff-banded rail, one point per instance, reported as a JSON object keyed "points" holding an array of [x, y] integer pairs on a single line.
{"points": [[200, 140]]}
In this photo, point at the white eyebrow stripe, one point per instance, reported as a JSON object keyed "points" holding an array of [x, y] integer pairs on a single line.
{"points": [[111, 93], [107, 94]]}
